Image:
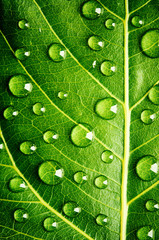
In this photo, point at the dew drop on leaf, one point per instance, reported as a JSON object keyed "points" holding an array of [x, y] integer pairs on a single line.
{"points": [[17, 184], [147, 168], [137, 21], [57, 52], [107, 156], [21, 215], [27, 147], [92, 9], [62, 95], [152, 205], [71, 209], [110, 24], [150, 43], [51, 172], [154, 95], [38, 109], [108, 68], [148, 116], [102, 220], [2, 147], [80, 177], [50, 224], [10, 113], [146, 233], [95, 43], [22, 53], [50, 136], [23, 24], [106, 108], [101, 182], [20, 85]]}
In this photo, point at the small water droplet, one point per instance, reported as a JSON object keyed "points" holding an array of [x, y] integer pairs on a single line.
{"points": [[27, 147], [50, 136], [23, 24], [147, 168], [92, 9], [82, 135], [80, 177], [107, 156], [150, 43], [148, 116], [101, 182], [22, 53], [146, 233], [57, 52], [137, 21], [1, 145], [62, 95], [17, 184], [108, 68], [106, 108], [110, 24], [152, 205], [38, 109], [154, 95], [71, 209], [50, 224], [21, 215], [95, 43], [20, 85], [102, 220], [51, 172], [10, 113]]}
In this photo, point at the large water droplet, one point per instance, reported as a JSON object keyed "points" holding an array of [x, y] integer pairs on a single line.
{"points": [[27, 147], [10, 113], [110, 24], [146, 233], [50, 224], [147, 168], [154, 95], [150, 43], [71, 209], [57, 52], [152, 205], [101, 182], [92, 9], [17, 184], [62, 95], [101, 219], [50, 136], [23, 24], [106, 108], [108, 68], [82, 135], [22, 53], [137, 21], [20, 85], [38, 109], [51, 172], [80, 177], [107, 156], [148, 116], [95, 43], [21, 215]]}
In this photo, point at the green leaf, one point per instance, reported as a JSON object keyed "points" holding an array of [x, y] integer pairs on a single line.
{"points": [[79, 119]]}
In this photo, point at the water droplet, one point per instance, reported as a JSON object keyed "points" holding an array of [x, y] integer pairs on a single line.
{"points": [[1, 145], [71, 209], [50, 136], [146, 233], [95, 43], [80, 177], [57, 52], [21, 215], [20, 85], [17, 184], [101, 219], [148, 116], [50, 224], [92, 9], [38, 109], [101, 182], [27, 147], [106, 108], [150, 43], [22, 53], [10, 113], [110, 24], [51, 172], [152, 205], [137, 21], [147, 168], [62, 95], [154, 95], [107, 156], [108, 68], [82, 135], [23, 24]]}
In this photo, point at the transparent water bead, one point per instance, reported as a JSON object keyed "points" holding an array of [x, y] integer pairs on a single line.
{"points": [[17, 184], [152, 205], [71, 209], [108, 68], [137, 21], [27, 147], [106, 108], [38, 109], [82, 135], [107, 156], [150, 43], [95, 43], [92, 9], [102, 220], [62, 95], [148, 116], [21, 215], [80, 177], [51, 172], [154, 95], [23, 24], [10, 113], [20, 85], [147, 168], [50, 136], [57, 52], [146, 233], [22, 53], [110, 24], [101, 182], [50, 224]]}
